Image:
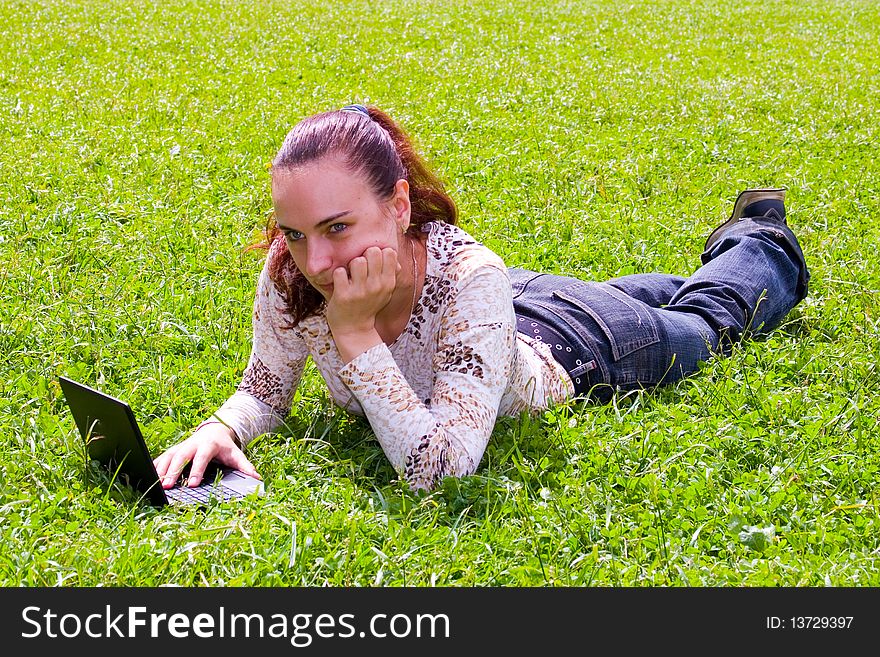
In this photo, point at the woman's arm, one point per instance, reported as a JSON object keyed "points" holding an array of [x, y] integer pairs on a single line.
{"points": [[471, 368], [278, 356], [259, 405]]}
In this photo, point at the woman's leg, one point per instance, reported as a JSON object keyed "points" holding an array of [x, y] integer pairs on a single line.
{"points": [[753, 274], [749, 282], [653, 289]]}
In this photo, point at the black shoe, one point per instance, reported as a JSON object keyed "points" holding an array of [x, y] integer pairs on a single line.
{"points": [[751, 204]]}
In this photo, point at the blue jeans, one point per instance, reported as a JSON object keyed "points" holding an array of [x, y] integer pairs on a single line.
{"points": [[646, 329]]}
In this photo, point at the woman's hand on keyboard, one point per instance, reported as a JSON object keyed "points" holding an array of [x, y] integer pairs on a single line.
{"points": [[211, 441]]}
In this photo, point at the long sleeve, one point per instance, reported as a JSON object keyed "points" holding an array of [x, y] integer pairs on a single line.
{"points": [[471, 368], [263, 398]]}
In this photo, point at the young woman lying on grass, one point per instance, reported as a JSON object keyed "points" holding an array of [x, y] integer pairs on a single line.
{"points": [[425, 331]]}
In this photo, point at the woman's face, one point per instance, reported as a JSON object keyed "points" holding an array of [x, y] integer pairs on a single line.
{"points": [[330, 215]]}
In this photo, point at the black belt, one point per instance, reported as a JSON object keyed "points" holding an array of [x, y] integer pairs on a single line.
{"points": [[562, 351]]}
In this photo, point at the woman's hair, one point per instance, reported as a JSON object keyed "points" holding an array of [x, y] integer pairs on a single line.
{"points": [[369, 142]]}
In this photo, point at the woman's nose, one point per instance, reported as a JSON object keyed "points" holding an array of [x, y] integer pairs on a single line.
{"points": [[318, 259]]}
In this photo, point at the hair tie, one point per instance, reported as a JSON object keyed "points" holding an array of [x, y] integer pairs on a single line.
{"points": [[359, 109]]}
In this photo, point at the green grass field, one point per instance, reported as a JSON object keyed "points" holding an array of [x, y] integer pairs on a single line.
{"points": [[589, 138]]}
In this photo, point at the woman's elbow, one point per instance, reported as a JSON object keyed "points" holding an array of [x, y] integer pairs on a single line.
{"points": [[427, 464]]}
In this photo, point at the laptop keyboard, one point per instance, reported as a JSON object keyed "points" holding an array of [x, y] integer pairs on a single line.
{"points": [[200, 495]]}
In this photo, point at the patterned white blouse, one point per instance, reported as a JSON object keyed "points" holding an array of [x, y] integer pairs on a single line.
{"points": [[432, 396]]}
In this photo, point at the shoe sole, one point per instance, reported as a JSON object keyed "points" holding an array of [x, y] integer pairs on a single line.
{"points": [[744, 200]]}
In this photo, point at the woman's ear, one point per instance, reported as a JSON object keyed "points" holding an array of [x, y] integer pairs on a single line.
{"points": [[400, 204]]}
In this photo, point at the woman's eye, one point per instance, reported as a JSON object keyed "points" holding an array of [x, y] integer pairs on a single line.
{"points": [[292, 235], [337, 228]]}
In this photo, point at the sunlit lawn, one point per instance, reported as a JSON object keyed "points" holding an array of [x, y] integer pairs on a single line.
{"points": [[593, 139]]}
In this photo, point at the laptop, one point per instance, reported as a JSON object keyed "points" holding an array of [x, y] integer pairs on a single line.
{"points": [[114, 440]]}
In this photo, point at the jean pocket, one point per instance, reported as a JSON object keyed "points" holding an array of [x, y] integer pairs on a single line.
{"points": [[520, 279], [627, 323]]}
